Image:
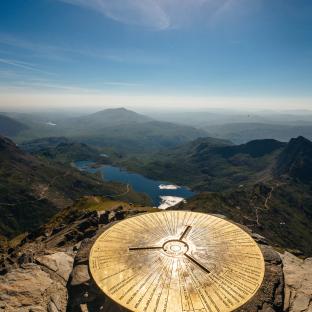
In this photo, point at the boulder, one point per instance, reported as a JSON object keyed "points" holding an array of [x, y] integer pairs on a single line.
{"points": [[29, 288], [61, 263], [298, 283]]}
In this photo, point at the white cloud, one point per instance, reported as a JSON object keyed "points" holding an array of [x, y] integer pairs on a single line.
{"points": [[146, 13], [21, 64], [68, 53], [155, 14]]}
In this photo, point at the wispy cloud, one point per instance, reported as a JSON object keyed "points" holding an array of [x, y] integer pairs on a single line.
{"points": [[24, 75], [20, 82], [21, 64], [154, 14], [69, 53], [45, 84], [147, 13]]}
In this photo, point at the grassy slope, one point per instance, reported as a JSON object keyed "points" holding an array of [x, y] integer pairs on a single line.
{"points": [[60, 149]]}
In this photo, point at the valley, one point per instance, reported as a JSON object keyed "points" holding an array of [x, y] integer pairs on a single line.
{"points": [[162, 194], [33, 189], [263, 184]]}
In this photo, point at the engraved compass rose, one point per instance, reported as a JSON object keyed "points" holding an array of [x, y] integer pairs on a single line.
{"points": [[177, 261]]}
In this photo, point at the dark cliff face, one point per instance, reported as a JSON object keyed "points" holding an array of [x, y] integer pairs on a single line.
{"points": [[296, 160]]}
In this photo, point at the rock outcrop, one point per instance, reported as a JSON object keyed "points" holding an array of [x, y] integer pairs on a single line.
{"points": [[298, 283], [32, 288]]}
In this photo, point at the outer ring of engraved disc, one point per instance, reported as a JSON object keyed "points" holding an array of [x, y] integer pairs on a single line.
{"points": [[120, 302]]}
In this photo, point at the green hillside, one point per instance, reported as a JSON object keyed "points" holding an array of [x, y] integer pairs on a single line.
{"points": [[211, 164], [63, 150], [32, 190]]}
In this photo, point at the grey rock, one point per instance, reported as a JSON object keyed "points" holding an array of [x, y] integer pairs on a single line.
{"points": [[61, 263], [298, 283], [259, 239], [31, 289]]}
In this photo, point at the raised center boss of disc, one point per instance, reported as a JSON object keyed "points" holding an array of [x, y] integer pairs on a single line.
{"points": [[175, 248]]}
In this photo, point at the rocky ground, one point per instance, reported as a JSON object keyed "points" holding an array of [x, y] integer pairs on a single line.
{"points": [[48, 271]]}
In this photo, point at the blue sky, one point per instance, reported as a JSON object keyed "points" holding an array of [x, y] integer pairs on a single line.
{"points": [[111, 52]]}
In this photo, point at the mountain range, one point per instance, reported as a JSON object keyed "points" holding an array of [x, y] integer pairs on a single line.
{"points": [[208, 164], [243, 126], [121, 129], [263, 184]]}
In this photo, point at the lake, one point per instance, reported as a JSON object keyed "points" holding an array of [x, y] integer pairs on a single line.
{"points": [[163, 194]]}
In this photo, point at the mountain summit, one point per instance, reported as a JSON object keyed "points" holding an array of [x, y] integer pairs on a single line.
{"points": [[112, 117], [296, 160], [127, 131]]}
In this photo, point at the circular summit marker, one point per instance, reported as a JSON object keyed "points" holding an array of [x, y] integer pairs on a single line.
{"points": [[177, 261]]}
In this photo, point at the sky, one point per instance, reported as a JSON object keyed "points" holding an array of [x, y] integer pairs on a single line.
{"points": [[195, 54]]}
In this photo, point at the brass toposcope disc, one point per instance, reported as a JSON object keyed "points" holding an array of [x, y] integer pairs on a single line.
{"points": [[177, 261]]}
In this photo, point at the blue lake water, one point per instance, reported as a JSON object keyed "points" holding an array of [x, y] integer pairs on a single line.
{"points": [[140, 184]]}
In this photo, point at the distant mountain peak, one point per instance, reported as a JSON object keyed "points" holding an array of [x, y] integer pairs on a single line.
{"points": [[114, 116], [117, 109], [300, 140], [296, 160]]}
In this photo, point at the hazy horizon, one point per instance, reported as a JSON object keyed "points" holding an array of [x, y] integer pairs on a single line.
{"points": [[71, 102]]}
